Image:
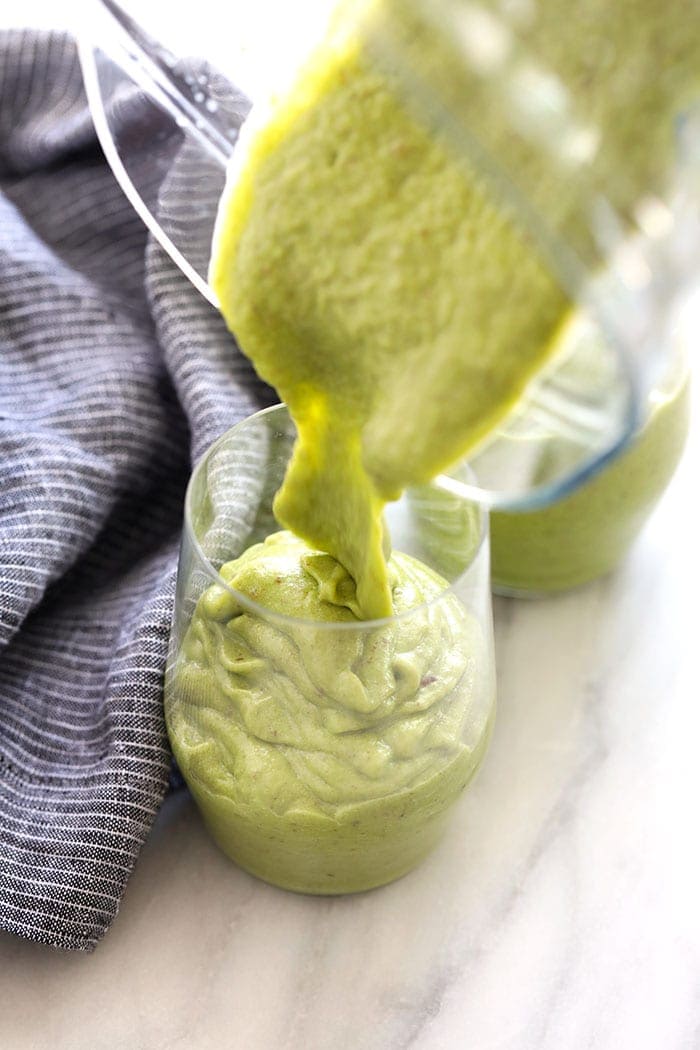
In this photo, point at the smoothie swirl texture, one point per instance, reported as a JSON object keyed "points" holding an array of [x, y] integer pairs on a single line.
{"points": [[324, 758]]}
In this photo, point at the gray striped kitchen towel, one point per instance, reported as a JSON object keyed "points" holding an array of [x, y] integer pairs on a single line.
{"points": [[111, 370]]}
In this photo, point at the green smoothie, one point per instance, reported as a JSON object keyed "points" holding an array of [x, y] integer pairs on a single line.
{"points": [[585, 535], [399, 309], [324, 754], [361, 269]]}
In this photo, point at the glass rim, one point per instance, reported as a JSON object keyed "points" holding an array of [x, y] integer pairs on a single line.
{"points": [[300, 622]]}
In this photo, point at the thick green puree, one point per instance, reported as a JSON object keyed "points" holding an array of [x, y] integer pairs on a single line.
{"points": [[399, 310], [362, 270], [324, 755]]}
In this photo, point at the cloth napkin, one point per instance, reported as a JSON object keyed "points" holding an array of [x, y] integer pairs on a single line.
{"points": [[113, 372]]}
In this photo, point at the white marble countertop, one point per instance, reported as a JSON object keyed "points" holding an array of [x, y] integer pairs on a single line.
{"points": [[562, 912]]}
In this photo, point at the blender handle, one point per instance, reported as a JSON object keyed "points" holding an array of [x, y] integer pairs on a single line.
{"points": [[115, 53]]}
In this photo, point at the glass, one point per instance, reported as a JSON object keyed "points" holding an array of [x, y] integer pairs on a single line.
{"points": [[325, 757], [169, 125], [586, 533]]}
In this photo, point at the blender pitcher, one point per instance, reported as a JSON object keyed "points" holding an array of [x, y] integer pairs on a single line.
{"points": [[619, 231]]}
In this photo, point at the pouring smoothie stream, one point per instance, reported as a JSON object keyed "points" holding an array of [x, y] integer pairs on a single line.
{"points": [[399, 311]]}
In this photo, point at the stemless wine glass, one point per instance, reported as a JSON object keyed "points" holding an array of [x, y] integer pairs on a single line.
{"points": [[325, 753], [487, 77]]}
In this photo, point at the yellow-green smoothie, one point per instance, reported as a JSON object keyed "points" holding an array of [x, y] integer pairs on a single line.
{"points": [[399, 310], [585, 534], [361, 269], [325, 755]]}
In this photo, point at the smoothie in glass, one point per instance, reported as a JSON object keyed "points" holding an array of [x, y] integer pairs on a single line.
{"points": [[325, 751], [585, 534], [321, 686], [325, 754]]}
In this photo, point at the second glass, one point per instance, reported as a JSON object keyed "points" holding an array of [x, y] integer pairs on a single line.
{"points": [[325, 753]]}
